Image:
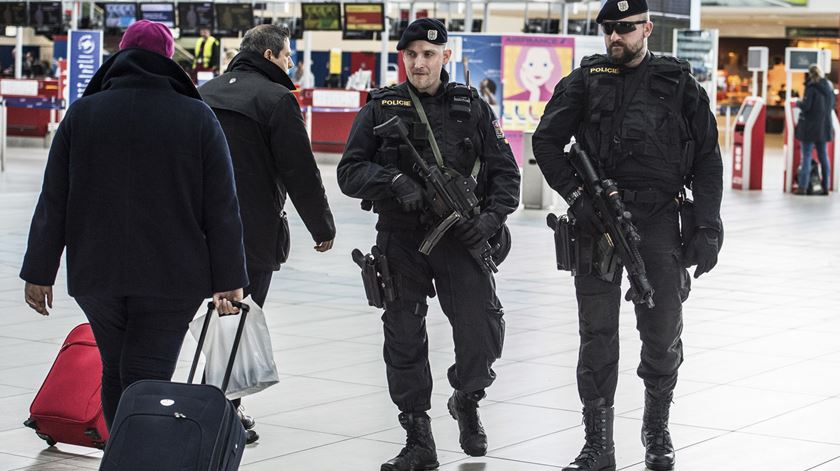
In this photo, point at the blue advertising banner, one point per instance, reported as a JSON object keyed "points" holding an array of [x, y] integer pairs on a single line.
{"points": [[484, 56], [84, 56]]}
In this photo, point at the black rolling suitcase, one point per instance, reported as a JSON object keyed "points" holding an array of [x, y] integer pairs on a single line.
{"points": [[166, 426]]}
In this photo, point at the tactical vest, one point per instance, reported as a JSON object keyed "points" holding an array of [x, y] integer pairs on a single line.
{"points": [[652, 142], [460, 144]]}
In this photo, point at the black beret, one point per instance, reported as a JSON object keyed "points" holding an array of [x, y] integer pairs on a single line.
{"points": [[615, 10], [423, 29]]}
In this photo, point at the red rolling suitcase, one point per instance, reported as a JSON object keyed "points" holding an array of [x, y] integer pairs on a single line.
{"points": [[68, 407]]}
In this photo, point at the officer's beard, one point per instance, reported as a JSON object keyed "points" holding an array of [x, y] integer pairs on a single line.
{"points": [[627, 52]]}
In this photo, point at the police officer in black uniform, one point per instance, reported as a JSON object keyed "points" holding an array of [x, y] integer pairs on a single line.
{"points": [[377, 170], [647, 124]]}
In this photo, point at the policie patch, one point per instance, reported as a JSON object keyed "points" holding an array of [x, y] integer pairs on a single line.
{"points": [[497, 126], [605, 70], [405, 103]]}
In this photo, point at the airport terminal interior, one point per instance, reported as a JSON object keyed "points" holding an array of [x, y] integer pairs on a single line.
{"points": [[759, 388]]}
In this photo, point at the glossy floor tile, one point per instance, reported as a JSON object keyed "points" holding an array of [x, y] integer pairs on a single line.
{"points": [[759, 389]]}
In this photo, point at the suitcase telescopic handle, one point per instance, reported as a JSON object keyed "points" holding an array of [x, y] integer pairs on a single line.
{"points": [[243, 313]]}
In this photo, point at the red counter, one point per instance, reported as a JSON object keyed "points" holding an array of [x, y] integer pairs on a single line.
{"points": [[29, 121], [330, 113]]}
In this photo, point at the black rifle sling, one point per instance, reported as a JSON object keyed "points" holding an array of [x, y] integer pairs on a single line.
{"points": [[432, 141]]}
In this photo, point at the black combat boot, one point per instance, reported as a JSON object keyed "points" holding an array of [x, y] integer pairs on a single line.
{"points": [[464, 408], [598, 453], [419, 453], [659, 451]]}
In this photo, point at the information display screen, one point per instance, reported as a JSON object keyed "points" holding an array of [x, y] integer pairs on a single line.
{"points": [[13, 13], [46, 17], [163, 13], [364, 17], [231, 18], [800, 61], [321, 16], [120, 15], [194, 16], [745, 113]]}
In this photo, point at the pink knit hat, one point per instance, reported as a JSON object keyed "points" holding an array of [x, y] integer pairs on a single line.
{"points": [[150, 36]]}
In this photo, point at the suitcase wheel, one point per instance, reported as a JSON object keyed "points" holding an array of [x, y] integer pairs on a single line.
{"points": [[47, 439], [93, 434], [30, 422]]}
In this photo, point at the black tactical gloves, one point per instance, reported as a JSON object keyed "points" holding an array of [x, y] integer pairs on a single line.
{"points": [[408, 192], [477, 229], [583, 212], [702, 251]]}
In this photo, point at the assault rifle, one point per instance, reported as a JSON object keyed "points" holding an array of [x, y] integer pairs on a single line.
{"points": [[620, 231], [449, 195]]}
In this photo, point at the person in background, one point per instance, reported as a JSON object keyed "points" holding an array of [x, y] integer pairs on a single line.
{"points": [[299, 70], [207, 51], [271, 158], [815, 128], [150, 221]]}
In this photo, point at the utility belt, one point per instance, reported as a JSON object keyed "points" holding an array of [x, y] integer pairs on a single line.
{"points": [[398, 221], [581, 253], [645, 196], [585, 254]]}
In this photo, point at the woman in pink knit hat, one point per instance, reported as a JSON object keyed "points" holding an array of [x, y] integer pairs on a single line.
{"points": [[139, 189]]}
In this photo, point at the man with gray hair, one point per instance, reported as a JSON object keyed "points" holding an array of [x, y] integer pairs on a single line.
{"points": [[271, 155]]}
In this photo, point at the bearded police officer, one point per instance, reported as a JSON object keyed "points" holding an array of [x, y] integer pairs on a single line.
{"points": [[450, 127], [647, 124]]}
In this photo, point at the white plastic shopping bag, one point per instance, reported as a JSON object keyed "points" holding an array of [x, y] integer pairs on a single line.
{"points": [[254, 368]]}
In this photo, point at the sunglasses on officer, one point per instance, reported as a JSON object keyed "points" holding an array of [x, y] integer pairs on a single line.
{"points": [[621, 27]]}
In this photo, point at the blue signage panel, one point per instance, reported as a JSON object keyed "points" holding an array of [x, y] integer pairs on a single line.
{"points": [[84, 56]]}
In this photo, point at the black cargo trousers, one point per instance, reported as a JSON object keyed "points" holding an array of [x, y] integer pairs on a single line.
{"points": [[468, 299], [660, 328]]}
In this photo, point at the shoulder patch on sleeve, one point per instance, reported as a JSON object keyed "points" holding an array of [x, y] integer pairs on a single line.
{"points": [[497, 126]]}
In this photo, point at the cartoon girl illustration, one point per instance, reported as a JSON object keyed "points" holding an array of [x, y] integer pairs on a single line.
{"points": [[535, 71]]}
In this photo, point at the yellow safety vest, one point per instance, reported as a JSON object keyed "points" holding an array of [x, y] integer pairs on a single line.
{"points": [[204, 51]]}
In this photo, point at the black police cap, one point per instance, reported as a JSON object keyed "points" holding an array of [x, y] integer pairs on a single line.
{"points": [[615, 10], [423, 29]]}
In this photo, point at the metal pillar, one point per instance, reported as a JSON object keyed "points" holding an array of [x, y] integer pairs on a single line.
{"points": [[486, 20], [695, 15], [565, 29], [468, 16], [74, 15], [19, 53], [2, 135], [383, 59]]}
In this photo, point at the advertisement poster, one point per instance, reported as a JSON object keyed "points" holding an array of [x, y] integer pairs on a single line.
{"points": [[484, 58], [84, 53], [531, 68]]}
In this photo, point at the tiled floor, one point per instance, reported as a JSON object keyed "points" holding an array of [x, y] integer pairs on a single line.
{"points": [[759, 389]]}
